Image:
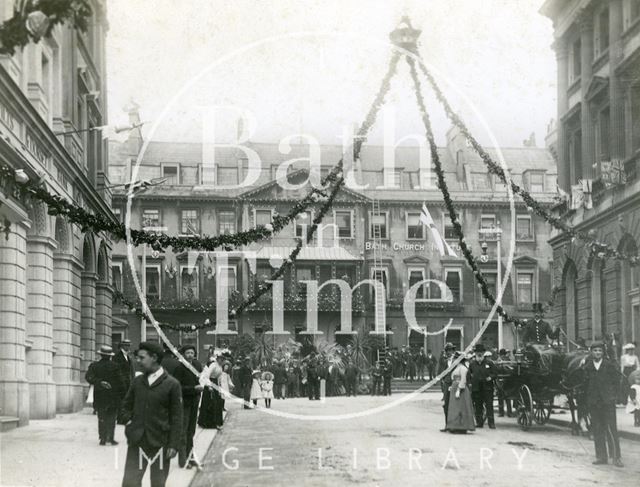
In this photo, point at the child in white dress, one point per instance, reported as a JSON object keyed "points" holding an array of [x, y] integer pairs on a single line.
{"points": [[267, 388], [256, 390]]}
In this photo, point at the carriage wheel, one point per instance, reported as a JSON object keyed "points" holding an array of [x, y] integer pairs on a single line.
{"points": [[542, 411], [525, 407]]}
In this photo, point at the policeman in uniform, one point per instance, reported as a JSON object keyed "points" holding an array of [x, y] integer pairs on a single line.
{"points": [[538, 331]]}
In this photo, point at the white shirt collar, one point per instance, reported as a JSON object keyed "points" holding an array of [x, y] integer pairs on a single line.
{"points": [[155, 376], [597, 364]]}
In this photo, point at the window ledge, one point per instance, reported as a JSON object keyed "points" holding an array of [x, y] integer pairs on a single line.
{"points": [[601, 60], [574, 85]]}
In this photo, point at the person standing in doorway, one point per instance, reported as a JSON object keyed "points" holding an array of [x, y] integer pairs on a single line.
{"points": [[104, 376], [483, 373], [601, 379], [153, 409]]}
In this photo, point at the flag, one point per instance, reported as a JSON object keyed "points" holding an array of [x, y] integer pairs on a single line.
{"points": [[443, 246]]}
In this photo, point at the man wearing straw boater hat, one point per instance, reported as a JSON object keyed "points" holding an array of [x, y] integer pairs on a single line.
{"points": [[104, 376]]}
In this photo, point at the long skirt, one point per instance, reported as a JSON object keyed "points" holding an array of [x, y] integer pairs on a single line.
{"points": [[211, 409], [460, 413]]}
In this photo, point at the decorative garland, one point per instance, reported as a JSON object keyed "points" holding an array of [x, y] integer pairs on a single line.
{"points": [[595, 246], [18, 183], [34, 19]]}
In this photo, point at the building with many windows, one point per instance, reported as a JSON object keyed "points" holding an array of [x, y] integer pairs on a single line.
{"points": [[55, 291], [597, 45], [372, 233]]}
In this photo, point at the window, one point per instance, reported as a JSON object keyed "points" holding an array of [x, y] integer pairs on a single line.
{"points": [[487, 222], [415, 228], [525, 287], [116, 276], [172, 173], [498, 185], [227, 176], [228, 278], [453, 280], [524, 230], [263, 217], [417, 275], [189, 283], [603, 136], [634, 10], [395, 177], [601, 33], [380, 274], [226, 222], [480, 181], [449, 231], [536, 182], [117, 212], [153, 284], [428, 178], [189, 222], [303, 274], [46, 80], [378, 226], [575, 61], [150, 217], [343, 220], [347, 273], [635, 116], [302, 223]]}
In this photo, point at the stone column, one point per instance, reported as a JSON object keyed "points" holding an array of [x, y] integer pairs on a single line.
{"points": [[42, 388], [88, 319], [587, 126], [14, 388], [560, 47], [616, 93], [104, 296], [66, 333]]}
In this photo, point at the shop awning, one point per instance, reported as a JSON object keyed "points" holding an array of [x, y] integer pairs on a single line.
{"points": [[308, 253]]}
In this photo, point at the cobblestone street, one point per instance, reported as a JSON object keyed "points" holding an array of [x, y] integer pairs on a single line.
{"points": [[402, 445]]}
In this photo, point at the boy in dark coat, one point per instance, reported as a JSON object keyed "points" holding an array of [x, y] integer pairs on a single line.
{"points": [[601, 379], [483, 373], [104, 376], [153, 409]]}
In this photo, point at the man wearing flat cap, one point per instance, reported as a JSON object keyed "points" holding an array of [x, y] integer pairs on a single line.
{"points": [[191, 390], [446, 359], [601, 379], [483, 374], [105, 378]]}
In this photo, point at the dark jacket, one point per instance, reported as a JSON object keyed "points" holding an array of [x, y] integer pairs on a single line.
{"points": [[601, 385], [537, 332], [445, 382], [351, 372], [245, 376], [170, 363], [154, 411], [127, 369], [279, 374], [480, 372], [188, 381], [105, 370]]}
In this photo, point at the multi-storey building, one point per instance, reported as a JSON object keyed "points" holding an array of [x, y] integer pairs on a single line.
{"points": [[375, 233], [55, 292], [597, 45]]}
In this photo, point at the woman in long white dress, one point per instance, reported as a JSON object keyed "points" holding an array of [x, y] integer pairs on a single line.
{"points": [[460, 413], [256, 390]]}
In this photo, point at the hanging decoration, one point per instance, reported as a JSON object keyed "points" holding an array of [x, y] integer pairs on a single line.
{"points": [[531, 203], [34, 19]]}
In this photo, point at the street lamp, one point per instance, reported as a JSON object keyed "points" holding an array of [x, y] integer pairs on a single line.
{"points": [[497, 232]]}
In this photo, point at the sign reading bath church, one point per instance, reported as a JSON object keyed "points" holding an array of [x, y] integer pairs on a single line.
{"points": [[407, 246]]}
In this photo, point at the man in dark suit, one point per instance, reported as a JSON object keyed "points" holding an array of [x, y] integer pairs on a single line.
{"points": [[313, 377], [432, 364], [387, 374], [153, 407], [126, 366], [105, 378], [445, 382], [483, 373], [191, 390], [351, 378], [602, 378]]}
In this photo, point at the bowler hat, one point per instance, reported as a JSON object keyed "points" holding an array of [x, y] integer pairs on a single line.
{"points": [[503, 351], [596, 344], [125, 342], [537, 307], [106, 350], [449, 346], [479, 348]]}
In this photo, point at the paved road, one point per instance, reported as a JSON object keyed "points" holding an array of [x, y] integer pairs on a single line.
{"points": [[400, 446]]}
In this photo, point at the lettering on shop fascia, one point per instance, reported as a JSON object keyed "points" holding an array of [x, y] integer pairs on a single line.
{"points": [[10, 121], [416, 247]]}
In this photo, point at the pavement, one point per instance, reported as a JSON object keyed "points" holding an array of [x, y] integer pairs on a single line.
{"points": [[401, 445], [624, 420], [64, 452]]}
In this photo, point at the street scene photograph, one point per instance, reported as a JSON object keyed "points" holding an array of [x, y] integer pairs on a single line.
{"points": [[319, 243]]}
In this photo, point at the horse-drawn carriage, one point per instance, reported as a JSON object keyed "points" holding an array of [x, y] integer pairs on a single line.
{"points": [[535, 377]]}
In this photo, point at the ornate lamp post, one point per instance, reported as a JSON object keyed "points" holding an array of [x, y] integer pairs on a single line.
{"points": [[497, 232]]}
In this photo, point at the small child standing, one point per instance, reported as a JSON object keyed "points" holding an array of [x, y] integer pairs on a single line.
{"points": [[256, 390], [267, 388]]}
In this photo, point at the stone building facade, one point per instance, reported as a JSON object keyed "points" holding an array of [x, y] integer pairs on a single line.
{"points": [[181, 289], [55, 291], [597, 45]]}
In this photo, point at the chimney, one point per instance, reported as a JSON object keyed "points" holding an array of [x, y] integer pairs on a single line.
{"points": [[531, 141], [134, 140]]}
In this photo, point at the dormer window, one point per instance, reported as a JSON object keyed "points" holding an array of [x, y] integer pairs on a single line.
{"points": [[536, 182], [172, 173]]}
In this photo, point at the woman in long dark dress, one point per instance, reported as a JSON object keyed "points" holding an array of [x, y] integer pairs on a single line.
{"points": [[460, 417], [212, 404]]}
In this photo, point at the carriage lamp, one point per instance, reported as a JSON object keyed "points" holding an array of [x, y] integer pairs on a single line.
{"points": [[484, 257]]}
